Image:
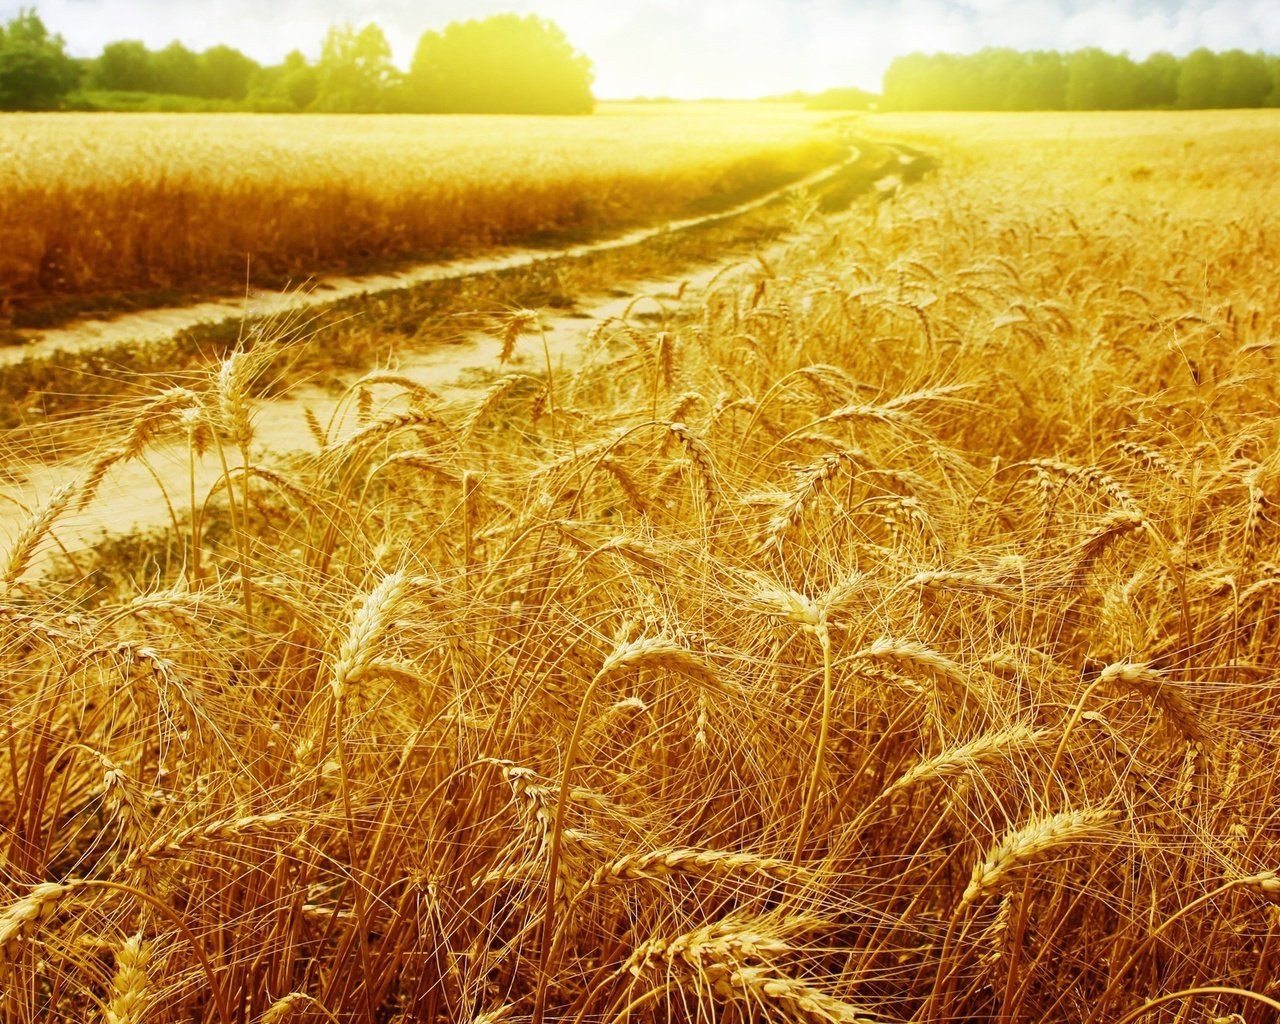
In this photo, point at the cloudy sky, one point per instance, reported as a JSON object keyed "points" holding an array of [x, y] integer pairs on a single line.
{"points": [[695, 48]]}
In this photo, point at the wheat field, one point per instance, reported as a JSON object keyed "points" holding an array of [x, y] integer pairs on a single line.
{"points": [[146, 203], [890, 635]]}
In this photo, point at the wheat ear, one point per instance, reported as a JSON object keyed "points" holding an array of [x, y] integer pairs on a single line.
{"points": [[1024, 845], [33, 531], [22, 917], [131, 985]]}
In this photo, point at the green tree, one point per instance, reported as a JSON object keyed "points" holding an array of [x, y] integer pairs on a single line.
{"points": [[176, 69], [1097, 80], [1156, 83], [504, 64], [1244, 79], [1039, 84], [225, 73], [35, 71], [289, 85], [910, 82], [355, 72], [1198, 80], [124, 66]]}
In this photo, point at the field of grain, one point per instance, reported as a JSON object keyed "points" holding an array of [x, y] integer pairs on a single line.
{"points": [[888, 634], [147, 203]]}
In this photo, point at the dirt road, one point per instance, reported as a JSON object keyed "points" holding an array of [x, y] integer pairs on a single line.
{"points": [[147, 493]]}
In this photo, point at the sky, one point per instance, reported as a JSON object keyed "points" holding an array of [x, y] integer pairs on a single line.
{"points": [[694, 48]]}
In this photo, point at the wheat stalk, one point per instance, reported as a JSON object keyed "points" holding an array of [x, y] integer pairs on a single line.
{"points": [[659, 864]]}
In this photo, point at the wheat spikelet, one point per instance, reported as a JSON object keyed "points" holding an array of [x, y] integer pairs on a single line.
{"points": [[898, 513], [364, 406], [760, 986], [665, 352], [285, 1007], [699, 456], [420, 396], [733, 960], [38, 524], [1265, 882], [684, 405], [865, 411], [368, 625], [996, 935], [635, 550], [715, 948], [986, 749], [421, 463], [746, 404], [1152, 458], [490, 399], [373, 432], [1165, 694], [315, 428], [894, 410], [535, 797], [911, 654], [22, 917], [629, 487], [131, 986], [1114, 526], [212, 833], [97, 473], [1254, 517], [832, 384], [234, 376], [661, 652], [1088, 476], [512, 326], [495, 1016], [962, 581], [166, 404], [281, 483], [1024, 845], [118, 799], [809, 483]]}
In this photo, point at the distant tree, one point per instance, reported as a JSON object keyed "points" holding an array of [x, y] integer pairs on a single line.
{"points": [[1097, 80], [908, 83], [1244, 79], [1040, 83], [355, 72], [1089, 79], [1198, 80], [35, 71], [290, 85], [847, 98], [503, 64], [225, 73], [124, 66], [176, 70], [1156, 81]]}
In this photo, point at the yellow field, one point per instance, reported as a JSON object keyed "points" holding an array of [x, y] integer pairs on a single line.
{"points": [[892, 636], [142, 202]]}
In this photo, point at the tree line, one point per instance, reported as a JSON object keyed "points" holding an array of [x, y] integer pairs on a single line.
{"points": [[1089, 79], [502, 64]]}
